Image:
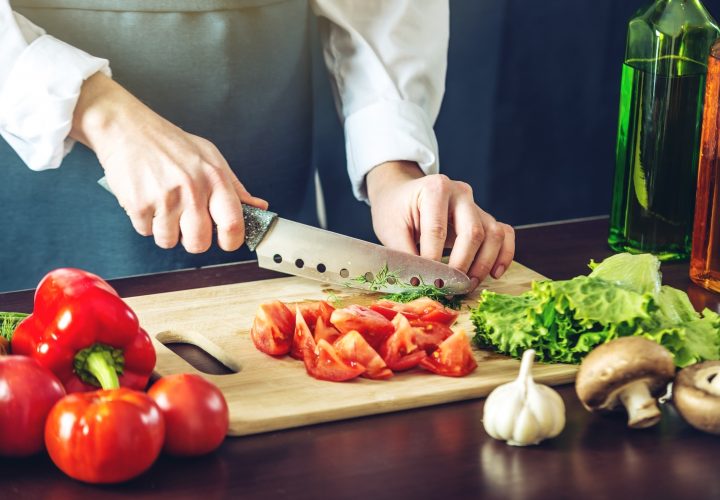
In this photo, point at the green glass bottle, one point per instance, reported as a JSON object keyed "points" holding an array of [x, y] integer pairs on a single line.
{"points": [[661, 102]]}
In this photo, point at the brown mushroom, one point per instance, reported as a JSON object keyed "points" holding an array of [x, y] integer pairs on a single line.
{"points": [[628, 371], [696, 394]]}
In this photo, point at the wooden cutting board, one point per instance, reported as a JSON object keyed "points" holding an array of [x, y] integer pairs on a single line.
{"points": [[266, 393]]}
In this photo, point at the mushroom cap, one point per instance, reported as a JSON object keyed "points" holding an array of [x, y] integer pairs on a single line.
{"points": [[695, 398], [612, 366]]}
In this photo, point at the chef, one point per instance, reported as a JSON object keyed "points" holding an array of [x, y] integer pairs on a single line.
{"points": [[192, 108]]}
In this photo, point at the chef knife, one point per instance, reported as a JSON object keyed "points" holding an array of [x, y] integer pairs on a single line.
{"points": [[298, 249]]}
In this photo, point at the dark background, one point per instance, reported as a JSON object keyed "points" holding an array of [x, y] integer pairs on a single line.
{"points": [[530, 111]]}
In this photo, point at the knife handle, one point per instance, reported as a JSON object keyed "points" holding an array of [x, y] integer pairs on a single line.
{"points": [[257, 224], [257, 220]]}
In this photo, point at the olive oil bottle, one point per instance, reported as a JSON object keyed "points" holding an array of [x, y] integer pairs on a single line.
{"points": [[661, 103]]}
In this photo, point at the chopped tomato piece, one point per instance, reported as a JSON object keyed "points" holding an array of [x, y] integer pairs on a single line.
{"points": [[370, 324], [311, 311], [453, 358], [324, 363], [272, 329], [399, 350], [424, 309], [302, 339], [324, 330], [353, 347], [428, 335]]}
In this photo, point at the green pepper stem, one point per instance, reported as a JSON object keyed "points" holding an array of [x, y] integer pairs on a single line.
{"points": [[102, 370]]}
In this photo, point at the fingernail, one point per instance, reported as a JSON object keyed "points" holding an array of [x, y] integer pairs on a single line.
{"points": [[499, 270], [474, 282]]}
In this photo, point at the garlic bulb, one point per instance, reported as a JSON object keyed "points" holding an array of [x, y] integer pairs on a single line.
{"points": [[523, 412]]}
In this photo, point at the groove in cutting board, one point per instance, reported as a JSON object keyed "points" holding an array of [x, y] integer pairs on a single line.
{"points": [[268, 393]]}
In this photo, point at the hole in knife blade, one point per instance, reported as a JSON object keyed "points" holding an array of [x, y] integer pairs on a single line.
{"points": [[344, 273], [369, 276], [391, 281], [321, 268], [439, 283], [414, 281], [299, 263], [277, 258]]}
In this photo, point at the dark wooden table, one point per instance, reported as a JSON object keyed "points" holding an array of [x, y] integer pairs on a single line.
{"points": [[437, 452]]}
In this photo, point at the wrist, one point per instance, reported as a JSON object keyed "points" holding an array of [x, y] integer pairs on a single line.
{"points": [[99, 107], [390, 174]]}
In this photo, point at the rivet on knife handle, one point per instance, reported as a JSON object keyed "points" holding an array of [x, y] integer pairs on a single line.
{"points": [[257, 223]]}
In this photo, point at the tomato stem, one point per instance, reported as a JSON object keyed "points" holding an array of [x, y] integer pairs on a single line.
{"points": [[100, 365]]}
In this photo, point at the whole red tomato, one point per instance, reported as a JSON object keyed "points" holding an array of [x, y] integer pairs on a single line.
{"points": [[105, 436], [196, 414], [27, 393]]}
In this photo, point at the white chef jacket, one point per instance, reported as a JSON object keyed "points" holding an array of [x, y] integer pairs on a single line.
{"points": [[387, 60]]}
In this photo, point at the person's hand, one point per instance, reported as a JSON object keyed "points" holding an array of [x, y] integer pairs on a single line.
{"points": [[172, 184], [409, 207]]}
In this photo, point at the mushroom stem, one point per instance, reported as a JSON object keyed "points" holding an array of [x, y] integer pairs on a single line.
{"points": [[640, 405]]}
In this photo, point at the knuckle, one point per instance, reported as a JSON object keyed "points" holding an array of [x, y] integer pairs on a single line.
{"points": [[495, 231], [437, 231], [464, 187], [234, 227], [476, 233], [438, 182]]}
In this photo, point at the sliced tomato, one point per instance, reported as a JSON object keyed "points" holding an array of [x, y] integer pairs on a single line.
{"points": [[324, 363], [372, 325], [302, 339], [453, 358], [424, 309], [353, 347], [389, 309], [272, 329], [428, 335], [311, 311], [399, 350], [324, 330]]}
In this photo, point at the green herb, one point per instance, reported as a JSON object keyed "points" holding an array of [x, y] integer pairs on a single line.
{"points": [[408, 293], [8, 322], [564, 320], [424, 290], [333, 299]]}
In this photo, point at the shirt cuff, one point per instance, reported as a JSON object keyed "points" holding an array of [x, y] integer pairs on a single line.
{"points": [[388, 131], [39, 97]]}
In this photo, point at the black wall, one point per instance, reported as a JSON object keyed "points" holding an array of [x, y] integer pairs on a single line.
{"points": [[530, 111]]}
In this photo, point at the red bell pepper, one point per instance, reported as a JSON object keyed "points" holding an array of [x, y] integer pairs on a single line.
{"points": [[83, 332]]}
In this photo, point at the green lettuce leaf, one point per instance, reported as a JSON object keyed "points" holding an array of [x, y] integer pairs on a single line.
{"points": [[564, 320]]}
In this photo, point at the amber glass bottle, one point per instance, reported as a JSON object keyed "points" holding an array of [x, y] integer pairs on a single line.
{"points": [[705, 259]]}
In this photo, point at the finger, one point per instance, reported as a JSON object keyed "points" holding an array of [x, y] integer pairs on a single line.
{"points": [[506, 254], [245, 196], [492, 243], [433, 206], [166, 229], [226, 212], [398, 238], [470, 234], [196, 229], [142, 221]]}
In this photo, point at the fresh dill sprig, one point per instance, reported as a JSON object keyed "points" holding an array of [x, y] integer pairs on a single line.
{"points": [[430, 291], [9, 322], [409, 293], [380, 279]]}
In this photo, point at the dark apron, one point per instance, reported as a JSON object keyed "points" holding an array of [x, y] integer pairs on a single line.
{"points": [[236, 72]]}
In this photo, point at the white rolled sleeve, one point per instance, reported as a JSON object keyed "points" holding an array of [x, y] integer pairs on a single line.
{"points": [[387, 62], [40, 82]]}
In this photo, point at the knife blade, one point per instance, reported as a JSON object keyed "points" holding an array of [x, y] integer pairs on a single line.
{"points": [[293, 248]]}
